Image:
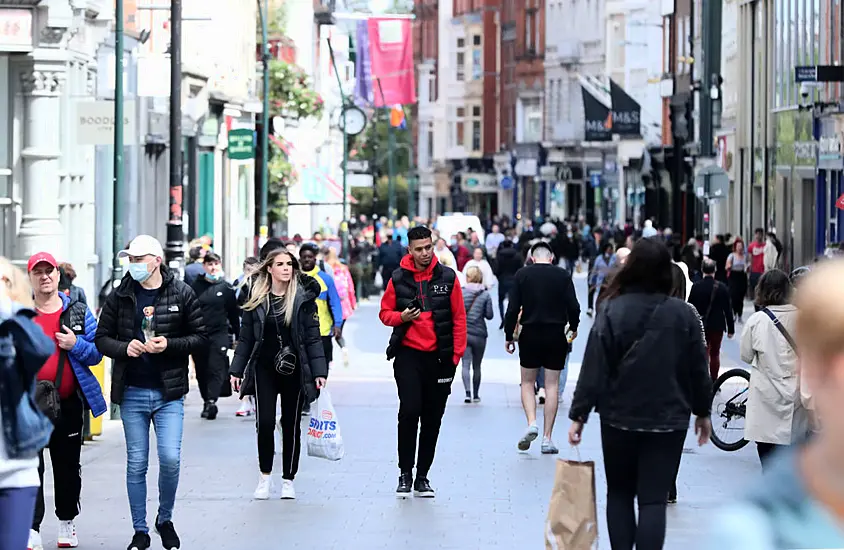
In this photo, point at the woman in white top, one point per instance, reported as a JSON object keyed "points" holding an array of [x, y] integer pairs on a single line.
{"points": [[442, 252], [777, 415], [480, 262], [23, 349]]}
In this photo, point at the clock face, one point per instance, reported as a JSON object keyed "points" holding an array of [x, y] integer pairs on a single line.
{"points": [[355, 120]]}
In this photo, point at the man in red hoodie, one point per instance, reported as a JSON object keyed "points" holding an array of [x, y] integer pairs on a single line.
{"points": [[423, 303]]}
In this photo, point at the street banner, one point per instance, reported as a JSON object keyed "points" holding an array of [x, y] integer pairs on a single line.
{"points": [[626, 113], [391, 61], [363, 71], [597, 118]]}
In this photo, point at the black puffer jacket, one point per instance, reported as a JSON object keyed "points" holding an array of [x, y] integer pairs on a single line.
{"points": [[306, 341], [178, 317], [645, 366]]}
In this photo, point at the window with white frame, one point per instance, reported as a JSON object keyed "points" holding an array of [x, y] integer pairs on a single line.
{"points": [[560, 99], [477, 136], [532, 120], [460, 122], [552, 99], [460, 63]]}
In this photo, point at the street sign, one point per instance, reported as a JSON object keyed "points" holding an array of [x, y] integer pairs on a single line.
{"points": [[357, 165], [241, 144], [819, 73], [595, 179], [95, 122], [507, 183], [712, 182], [359, 180]]}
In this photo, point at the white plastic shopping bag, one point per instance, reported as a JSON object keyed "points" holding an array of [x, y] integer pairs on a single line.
{"points": [[324, 439]]}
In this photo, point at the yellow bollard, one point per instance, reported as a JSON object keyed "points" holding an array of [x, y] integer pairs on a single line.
{"points": [[96, 424]]}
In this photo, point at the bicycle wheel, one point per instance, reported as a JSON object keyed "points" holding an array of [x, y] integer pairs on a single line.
{"points": [[729, 405]]}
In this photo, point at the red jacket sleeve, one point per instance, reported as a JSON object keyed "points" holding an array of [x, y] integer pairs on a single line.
{"points": [[458, 317], [388, 314]]}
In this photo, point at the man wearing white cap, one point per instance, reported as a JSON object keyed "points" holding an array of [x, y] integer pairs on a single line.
{"points": [[149, 326]]}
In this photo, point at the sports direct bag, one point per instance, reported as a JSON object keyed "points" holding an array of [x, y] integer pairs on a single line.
{"points": [[324, 439]]}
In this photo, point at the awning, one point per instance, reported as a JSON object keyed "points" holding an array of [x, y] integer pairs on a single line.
{"points": [[311, 171]]}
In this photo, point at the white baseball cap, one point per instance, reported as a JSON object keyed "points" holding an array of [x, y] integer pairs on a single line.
{"points": [[143, 245]]}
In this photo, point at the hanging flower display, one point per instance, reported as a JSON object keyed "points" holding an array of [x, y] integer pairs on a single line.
{"points": [[290, 92]]}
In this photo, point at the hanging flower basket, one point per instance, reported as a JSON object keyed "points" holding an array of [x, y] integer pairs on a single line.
{"points": [[291, 95]]}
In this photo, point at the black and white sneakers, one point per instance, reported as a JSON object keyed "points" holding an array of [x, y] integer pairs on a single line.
{"points": [[169, 538], [405, 485], [140, 541], [422, 488]]}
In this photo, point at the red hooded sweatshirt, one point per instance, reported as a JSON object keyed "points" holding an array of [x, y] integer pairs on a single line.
{"points": [[421, 334]]}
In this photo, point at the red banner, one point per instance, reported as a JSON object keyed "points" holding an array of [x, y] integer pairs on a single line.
{"points": [[391, 61], [840, 203]]}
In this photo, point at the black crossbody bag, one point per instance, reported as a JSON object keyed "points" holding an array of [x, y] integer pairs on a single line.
{"points": [[47, 393]]}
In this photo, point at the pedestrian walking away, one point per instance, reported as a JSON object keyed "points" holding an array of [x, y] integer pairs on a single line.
{"points": [[280, 356], [424, 304], [221, 314], [346, 291], [478, 310], [712, 300], [149, 327], [508, 262], [545, 296], [67, 373], [777, 400], [797, 501], [645, 368], [756, 250], [24, 429], [328, 301]]}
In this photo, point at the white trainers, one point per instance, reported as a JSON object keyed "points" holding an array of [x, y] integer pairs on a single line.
{"points": [[541, 395], [345, 357], [246, 408], [262, 492], [287, 490], [67, 535], [530, 435], [34, 541]]}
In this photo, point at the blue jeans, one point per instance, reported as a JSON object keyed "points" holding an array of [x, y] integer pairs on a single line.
{"points": [[139, 407], [17, 505], [540, 379]]}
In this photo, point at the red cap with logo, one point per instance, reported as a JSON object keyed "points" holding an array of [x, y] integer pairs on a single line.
{"points": [[41, 257]]}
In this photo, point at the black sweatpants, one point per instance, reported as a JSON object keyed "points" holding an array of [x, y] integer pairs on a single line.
{"points": [[65, 448], [269, 387], [212, 367], [424, 384], [504, 287], [639, 466]]}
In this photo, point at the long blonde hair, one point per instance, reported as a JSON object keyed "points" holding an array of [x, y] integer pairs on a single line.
{"points": [[16, 283], [261, 285]]}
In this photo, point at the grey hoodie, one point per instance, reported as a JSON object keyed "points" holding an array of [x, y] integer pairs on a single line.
{"points": [[478, 305]]}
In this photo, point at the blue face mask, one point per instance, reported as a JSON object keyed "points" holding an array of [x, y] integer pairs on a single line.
{"points": [[214, 278], [139, 272]]}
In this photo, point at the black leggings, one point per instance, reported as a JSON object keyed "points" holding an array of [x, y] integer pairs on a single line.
{"points": [[639, 466], [269, 386]]}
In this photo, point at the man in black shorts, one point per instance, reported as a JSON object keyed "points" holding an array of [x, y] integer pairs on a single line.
{"points": [[544, 295]]}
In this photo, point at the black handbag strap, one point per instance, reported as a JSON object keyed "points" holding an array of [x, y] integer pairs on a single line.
{"points": [[711, 300], [635, 343], [781, 328], [60, 371]]}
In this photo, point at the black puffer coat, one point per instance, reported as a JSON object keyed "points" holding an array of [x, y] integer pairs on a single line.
{"points": [[306, 341], [178, 317]]}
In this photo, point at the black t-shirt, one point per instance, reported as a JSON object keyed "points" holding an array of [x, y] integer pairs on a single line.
{"points": [[273, 327], [142, 372]]}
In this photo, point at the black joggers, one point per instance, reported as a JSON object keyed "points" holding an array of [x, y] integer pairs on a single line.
{"points": [[269, 386], [424, 384], [65, 448], [639, 466], [212, 369]]}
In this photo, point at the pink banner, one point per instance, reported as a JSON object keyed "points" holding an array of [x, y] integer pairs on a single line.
{"points": [[391, 61]]}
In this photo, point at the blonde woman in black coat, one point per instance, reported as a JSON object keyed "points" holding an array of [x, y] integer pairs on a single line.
{"points": [[280, 354]]}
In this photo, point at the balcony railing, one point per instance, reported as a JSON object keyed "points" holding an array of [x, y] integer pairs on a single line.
{"points": [[569, 51]]}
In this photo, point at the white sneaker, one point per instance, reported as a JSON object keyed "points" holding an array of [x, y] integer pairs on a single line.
{"points": [[67, 535], [345, 357], [541, 395], [34, 541], [530, 435], [245, 408], [287, 490], [262, 492]]}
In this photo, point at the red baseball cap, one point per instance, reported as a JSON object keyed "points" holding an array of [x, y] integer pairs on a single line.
{"points": [[41, 257]]}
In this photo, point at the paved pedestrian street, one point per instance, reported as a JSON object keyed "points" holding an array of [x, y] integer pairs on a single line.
{"points": [[488, 494]]}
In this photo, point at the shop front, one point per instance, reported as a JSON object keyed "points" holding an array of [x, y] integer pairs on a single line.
{"points": [[830, 183], [482, 194]]}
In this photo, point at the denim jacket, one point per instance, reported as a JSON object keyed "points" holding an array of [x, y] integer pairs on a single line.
{"points": [[23, 350]]}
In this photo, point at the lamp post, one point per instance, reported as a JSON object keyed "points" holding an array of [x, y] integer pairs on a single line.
{"points": [[174, 249], [117, 234], [263, 220]]}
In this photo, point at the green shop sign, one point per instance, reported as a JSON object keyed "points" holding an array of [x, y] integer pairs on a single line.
{"points": [[241, 144]]}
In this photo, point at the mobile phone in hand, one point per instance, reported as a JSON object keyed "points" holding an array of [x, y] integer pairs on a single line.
{"points": [[416, 303]]}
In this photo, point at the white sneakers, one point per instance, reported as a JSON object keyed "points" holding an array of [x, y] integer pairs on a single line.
{"points": [[345, 357], [34, 541], [530, 435], [287, 490], [262, 492], [66, 539], [67, 535], [247, 408]]}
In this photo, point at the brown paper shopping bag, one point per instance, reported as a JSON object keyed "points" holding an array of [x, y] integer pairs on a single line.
{"points": [[572, 522]]}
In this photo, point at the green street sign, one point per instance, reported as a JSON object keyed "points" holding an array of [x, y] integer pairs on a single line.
{"points": [[241, 144]]}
